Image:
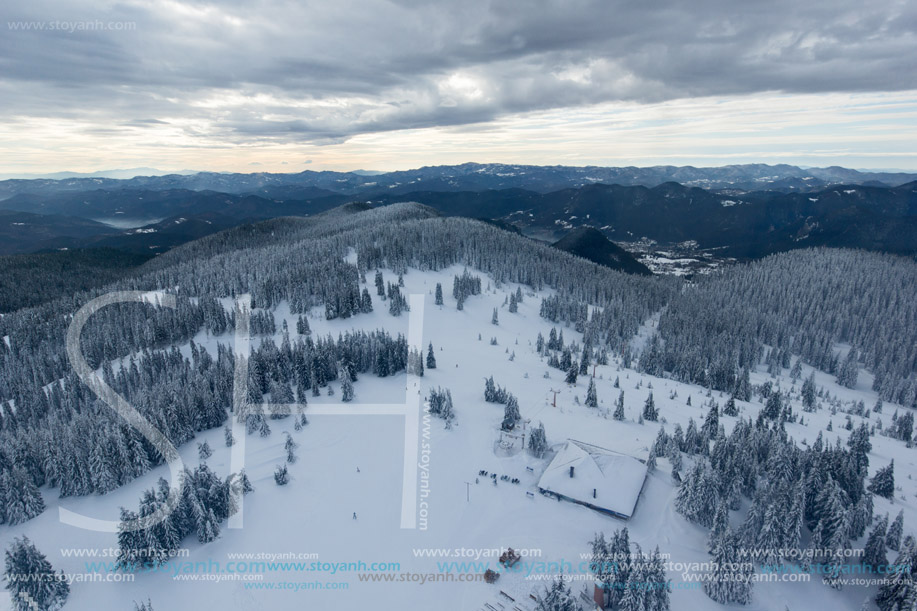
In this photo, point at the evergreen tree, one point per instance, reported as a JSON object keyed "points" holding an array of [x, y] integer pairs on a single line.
{"points": [[847, 376], [619, 407], [538, 441], [302, 325], [649, 409], [511, 414], [893, 538], [874, 551], [584, 365], [448, 411], [773, 406], [494, 320], [730, 581], [719, 527], [860, 447], [558, 598], [23, 500], [31, 579], [730, 408], [898, 591], [883, 482], [808, 393], [490, 390], [711, 423], [796, 371], [572, 373], [366, 301], [439, 293], [903, 427], [592, 399], [346, 384], [698, 498], [431, 360], [290, 447], [281, 475], [203, 451]]}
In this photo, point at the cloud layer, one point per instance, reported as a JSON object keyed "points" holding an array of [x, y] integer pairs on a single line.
{"points": [[246, 73]]}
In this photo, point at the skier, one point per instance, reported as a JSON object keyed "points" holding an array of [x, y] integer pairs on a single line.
{"points": [[358, 469], [354, 515]]}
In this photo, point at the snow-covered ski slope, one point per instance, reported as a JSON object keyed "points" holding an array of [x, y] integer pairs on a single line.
{"points": [[352, 465]]}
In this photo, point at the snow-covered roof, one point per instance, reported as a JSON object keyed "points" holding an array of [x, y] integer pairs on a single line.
{"points": [[616, 478]]}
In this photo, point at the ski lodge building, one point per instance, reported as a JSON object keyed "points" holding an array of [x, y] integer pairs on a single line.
{"points": [[603, 480]]}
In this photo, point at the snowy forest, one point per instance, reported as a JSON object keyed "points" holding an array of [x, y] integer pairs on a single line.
{"points": [[765, 350]]}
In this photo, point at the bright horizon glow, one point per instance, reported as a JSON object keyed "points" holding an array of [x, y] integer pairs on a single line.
{"points": [[871, 131]]}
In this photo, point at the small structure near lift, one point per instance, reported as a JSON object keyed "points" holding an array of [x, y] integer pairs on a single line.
{"points": [[601, 479]]}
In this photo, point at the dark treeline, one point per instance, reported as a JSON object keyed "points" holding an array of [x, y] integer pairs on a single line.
{"points": [[33, 279], [804, 303]]}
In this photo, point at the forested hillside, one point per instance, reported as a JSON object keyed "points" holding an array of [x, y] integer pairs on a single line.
{"points": [[770, 352]]}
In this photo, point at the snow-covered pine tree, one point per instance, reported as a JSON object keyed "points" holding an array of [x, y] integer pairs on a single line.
{"points": [[538, 441], [899, 589], [592, 399], [31, 579], [302, 325], [290, 446], [697, 498], [439, 294], [893, 538], [281, 475], [847, 375], [730, 581], [346, 383], [874, 550], [883, 482], [711, 423], [431, 359], [649, 409], [796, 371], [490, 390], [511, 414], [619, 408], [773, 406], [558, 597], [448, 411], [572, 373]]}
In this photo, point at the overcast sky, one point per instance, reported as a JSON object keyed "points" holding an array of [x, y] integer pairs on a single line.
{"points": [[287, 85]]}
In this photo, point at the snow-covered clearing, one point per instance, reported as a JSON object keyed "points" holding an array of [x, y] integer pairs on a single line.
{"points": [[353, 465]]}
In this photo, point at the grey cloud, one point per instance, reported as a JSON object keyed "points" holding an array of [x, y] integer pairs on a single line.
{"points": [[324, 72]]}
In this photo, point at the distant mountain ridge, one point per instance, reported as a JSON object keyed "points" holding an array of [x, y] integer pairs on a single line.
{"points": [[477, 177], [737, 223], [590, 243]]}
